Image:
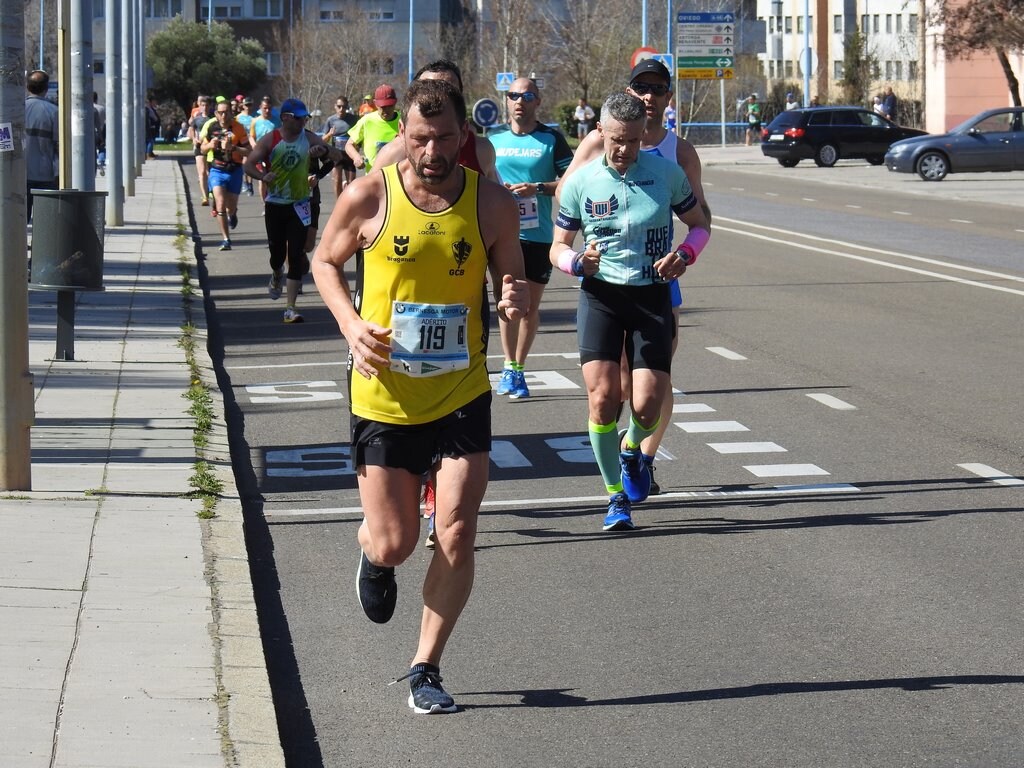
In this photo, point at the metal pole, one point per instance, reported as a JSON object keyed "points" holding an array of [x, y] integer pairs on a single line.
{"points": [[64, 92], [209, 16], [115, 106], [807, 51], [643, 23], [128, 95], [140, 90], [42, 5], [16, 408], [412, 4], [83, 124], [721, 101]]}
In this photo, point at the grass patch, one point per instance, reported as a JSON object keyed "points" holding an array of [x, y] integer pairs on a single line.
{"points": [[204, 482]]}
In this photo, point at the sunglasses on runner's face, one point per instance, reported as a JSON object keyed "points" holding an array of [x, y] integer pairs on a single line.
{"points": [[526, 96], [642, 89]]}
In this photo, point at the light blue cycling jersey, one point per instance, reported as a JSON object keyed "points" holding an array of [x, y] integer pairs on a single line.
{"points": [[630, 217]]}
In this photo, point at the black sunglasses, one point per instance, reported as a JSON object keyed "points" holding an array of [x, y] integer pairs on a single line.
{"points": [[526, 96], [644, 88]]}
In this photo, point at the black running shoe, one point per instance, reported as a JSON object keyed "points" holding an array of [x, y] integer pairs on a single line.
{"points": [[377, 590], [426, 696]]}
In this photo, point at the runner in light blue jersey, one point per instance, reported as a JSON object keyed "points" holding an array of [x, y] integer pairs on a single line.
{"points": [[623, 203]]}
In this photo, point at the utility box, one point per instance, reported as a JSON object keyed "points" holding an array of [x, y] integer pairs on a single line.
{"points": [[67, 240]]}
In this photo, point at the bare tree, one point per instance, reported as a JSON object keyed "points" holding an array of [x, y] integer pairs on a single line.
{"points": [[983, 25]]}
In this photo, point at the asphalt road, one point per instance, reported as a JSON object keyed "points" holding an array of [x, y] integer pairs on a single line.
{"points": [[832, 576]]}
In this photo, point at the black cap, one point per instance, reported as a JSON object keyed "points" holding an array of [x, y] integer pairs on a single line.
{"points": [[651, 65]]}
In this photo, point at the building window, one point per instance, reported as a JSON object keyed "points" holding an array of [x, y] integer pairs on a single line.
{"points": [[221, 10], [382, 66], [899, 23], [912, 70], [799, 25], [789, 25], [99, 66], [888, 70], [266, 9], [837, 70], [912, 24], [789, 69], [273, 61], [865, 24], [876, 70], [837, 23], [897, 70], [771, 25], [381, 16], [874, 24], [161, 9]]}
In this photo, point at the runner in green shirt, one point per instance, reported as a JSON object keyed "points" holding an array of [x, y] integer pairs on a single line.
{"points": [[375, 130]]}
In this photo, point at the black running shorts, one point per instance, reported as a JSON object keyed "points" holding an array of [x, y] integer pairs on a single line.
{"points": [[417, 447], [641, 313]]}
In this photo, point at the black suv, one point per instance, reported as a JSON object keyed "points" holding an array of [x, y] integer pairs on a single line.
{"points": [[827, 134]]}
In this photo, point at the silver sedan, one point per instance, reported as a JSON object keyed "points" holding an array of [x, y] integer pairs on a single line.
{"points": [[990, 141]]}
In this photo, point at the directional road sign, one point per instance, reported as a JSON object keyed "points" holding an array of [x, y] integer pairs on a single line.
{"points": [[504, 81], [705, 46]]}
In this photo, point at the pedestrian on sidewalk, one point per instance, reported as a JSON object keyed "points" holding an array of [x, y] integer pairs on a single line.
{"points": [[417, 358], [41, 136]]}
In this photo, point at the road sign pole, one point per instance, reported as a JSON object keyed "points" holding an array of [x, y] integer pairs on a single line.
{"points": [[16, 392]]}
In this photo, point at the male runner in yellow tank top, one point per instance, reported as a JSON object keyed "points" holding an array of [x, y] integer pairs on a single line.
{"points": [[417, 336]]}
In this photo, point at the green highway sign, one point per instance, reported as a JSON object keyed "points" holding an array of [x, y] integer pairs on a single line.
{"points": [[696, 62]]}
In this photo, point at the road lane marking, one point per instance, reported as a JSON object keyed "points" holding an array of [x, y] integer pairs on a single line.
{"points": [[566, 355], [856, 207], [990, 473], [747, 447], [771, 194], [728, 354], [961, 221], [868, 248], [499, 504], [692, 408], [831, 402], [700, 427], [281, 365], [903, 213], [785, 470], [877, 262], [809, 200], [282, 392]]}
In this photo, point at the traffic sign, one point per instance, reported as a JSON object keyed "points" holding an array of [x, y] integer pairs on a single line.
{"points": [[641, 53], [705, 46], [504, 81], [485, 113], [696, 62], [706, 74], [666, 59]]}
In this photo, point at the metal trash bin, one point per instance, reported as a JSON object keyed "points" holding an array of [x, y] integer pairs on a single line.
{"points": [[67, 240]]}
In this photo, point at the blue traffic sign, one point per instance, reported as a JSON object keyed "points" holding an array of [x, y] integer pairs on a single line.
{"points": [[706, 18], [504, 81], [666, 59], [485, 113]]}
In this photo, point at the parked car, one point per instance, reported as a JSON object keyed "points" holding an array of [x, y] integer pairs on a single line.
{"points": [[990, 141], [828, 134]]}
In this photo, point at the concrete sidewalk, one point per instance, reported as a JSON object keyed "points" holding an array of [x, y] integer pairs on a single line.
{"points": [[128, 632]]}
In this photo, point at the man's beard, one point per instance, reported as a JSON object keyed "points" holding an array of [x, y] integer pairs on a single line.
{"points": [[446, 171]]}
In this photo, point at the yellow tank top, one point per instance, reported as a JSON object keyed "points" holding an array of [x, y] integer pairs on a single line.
{"points": [[424, 276]]}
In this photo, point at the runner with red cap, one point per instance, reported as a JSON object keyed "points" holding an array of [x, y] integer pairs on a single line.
{"points": [[375, 130]]}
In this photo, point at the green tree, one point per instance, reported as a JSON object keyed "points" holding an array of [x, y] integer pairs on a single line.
{"points": [[188, 59], [858, 66], [984, 25]]}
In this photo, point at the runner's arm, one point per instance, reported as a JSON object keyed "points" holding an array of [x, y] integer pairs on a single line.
{"points": [[485, 156], [500, 230], [352, 225], [589, 148], [689, 160]]}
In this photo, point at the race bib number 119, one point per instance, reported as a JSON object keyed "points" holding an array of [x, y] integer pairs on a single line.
{"points": [[428, 339]]}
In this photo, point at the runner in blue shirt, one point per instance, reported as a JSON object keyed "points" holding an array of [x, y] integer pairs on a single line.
{"points": [[623, 202], [529, 157]]}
